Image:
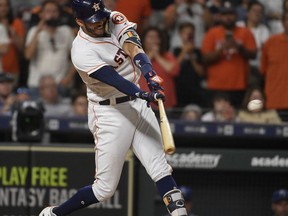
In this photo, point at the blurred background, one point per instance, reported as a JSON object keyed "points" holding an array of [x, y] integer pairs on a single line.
{"points": [[225, 71]]}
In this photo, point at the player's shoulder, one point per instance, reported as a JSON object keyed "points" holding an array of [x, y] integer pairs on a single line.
{"points": [[117, 17]]}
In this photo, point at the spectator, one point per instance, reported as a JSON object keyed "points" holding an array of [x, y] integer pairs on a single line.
{"points": [[223, 110], [242, 9], [48, 48], [163, 61], [22, 94], [16, 32], [274, 66], [191, 112], [53, 104], [280, 202], [79, 105], [260, 115], [7, 97], [110, 4], [273, 13], [157, 12], [184, 11], [226, 51], [137, 11], [4, 41], [212, 16], [65, 18], [188, 82], [285, 5], [261, 34]]}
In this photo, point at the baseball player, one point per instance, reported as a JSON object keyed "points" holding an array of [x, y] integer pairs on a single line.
{"points": [[108, 55]]}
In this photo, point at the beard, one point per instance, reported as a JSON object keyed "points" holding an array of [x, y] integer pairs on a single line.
{"points": [[229, 25], [94, 31]]}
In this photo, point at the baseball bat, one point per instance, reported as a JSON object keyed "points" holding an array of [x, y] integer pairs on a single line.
{"points": [[167, 137]]}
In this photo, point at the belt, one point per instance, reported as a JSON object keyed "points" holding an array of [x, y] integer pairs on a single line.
{"points": [[118, 100]]}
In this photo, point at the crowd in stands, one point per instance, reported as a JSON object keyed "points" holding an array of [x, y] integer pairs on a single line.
{"points": [[214, 56]]}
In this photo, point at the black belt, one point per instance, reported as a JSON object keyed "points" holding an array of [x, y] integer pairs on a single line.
{"points": [[118, 100]]}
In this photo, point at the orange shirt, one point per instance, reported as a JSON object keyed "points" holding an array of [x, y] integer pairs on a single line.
{"points": [[134, 10], [230, 72], [274, 66], [11, 59], [168, 79]]}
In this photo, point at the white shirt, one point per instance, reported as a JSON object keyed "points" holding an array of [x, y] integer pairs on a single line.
{"points": [[182, 17], [4, 39], [89, 54], [49, 61], [261, 33], [274, 7]]}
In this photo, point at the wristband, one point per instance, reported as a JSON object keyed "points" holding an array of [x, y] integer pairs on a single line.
{"points": [[142, 62]]}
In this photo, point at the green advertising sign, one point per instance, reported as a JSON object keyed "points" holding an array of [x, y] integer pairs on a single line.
{"points": [[33, 177]]}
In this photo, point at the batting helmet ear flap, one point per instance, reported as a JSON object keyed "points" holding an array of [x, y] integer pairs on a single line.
{"points": [[90, 11]]}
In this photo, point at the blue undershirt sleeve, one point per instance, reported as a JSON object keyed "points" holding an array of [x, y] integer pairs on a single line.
{"points": [[108, 75]]}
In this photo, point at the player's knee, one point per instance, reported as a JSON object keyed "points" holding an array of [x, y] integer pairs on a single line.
{"points": [[108, 193], [104, 192], [174, 202]]}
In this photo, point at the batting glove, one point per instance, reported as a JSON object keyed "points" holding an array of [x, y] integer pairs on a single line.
{"points": [[151, 96], [154, 81]]}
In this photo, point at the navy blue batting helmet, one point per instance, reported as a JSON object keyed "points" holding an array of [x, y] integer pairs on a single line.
{"points": [[90, 11]]}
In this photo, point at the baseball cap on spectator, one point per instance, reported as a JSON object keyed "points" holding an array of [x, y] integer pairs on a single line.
{"points": [[6, 77], [227, 8], [279, 195]]}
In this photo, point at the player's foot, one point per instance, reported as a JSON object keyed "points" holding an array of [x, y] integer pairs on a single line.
{"points": [[47, 211]]}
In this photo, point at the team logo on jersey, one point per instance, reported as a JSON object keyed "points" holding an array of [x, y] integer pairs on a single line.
{"points": [[96, 6], [118, 18]]}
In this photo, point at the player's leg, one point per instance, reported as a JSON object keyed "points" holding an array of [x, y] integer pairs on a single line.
{"points": [[111, 147], [147, 146]]}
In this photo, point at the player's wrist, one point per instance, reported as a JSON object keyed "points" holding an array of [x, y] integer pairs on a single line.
{"points": [[143, 63], [149, 75]]}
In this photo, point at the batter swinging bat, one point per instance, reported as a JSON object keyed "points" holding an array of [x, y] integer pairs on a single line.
{"points": [[168, 141]]}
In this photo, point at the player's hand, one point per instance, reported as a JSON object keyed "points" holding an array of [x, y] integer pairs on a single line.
{"points": [[151, 96], [154, 81]]}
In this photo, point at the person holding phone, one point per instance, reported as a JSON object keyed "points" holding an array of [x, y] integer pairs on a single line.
{"points": [[226, 51]]}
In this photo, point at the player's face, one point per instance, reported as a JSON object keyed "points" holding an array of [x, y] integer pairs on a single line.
{"points": [[96, 29]]}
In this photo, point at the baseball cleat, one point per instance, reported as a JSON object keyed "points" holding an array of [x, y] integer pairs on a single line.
{"points": [[47, 211]]}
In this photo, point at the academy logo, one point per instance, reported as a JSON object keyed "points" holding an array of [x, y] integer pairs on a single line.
{"points": [[194, 160], [118, 18], [275, 161]]}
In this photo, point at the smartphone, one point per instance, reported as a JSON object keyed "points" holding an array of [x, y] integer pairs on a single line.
{"points": [[229, 35]]}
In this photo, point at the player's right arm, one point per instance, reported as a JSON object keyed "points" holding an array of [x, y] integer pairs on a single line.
{"points": [[108, 75]]}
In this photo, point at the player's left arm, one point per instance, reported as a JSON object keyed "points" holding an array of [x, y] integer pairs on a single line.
{"points": [[133, 47], [129, 40]]}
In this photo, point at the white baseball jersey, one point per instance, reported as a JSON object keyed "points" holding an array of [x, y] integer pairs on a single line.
{"points": [[117, 127], [90, 54]]}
